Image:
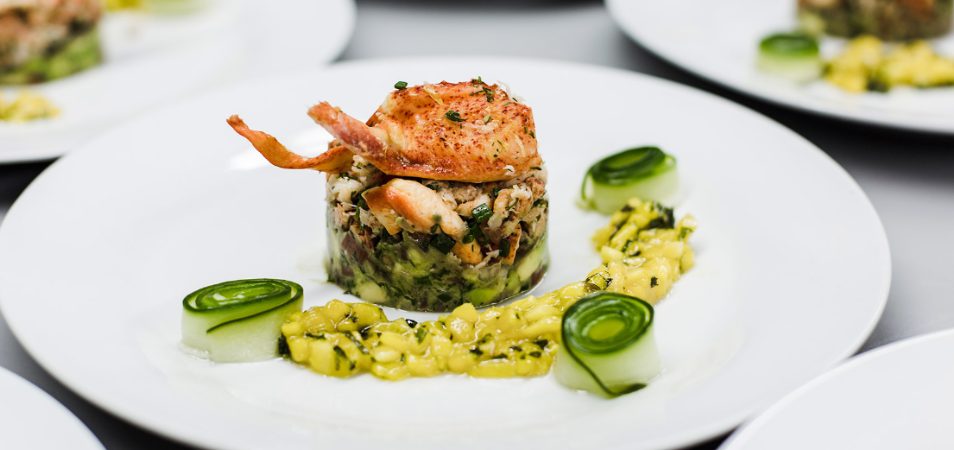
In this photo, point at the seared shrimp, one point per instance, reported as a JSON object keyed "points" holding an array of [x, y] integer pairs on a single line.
{"points": [[470, 131]]}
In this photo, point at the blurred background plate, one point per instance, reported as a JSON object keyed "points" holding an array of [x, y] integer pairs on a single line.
{"points": [[718, 40], [791, 274], [31, 419], [151, 59], [897, 396]]}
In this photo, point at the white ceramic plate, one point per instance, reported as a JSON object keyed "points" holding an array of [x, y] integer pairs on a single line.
{"points": [[103, 246], [718, 40], [152, 59], [897, 396], [30, 418]]}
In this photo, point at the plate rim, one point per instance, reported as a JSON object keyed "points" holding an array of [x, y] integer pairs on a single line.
{"points": [[46, 401], [737, 440], [699, 434], [812, 107]]}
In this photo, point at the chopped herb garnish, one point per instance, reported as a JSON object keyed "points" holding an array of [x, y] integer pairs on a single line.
{"points": [[653, 282], [683, 232], [665, 219], [487, 118], [499, 356], [411, 322], [365, 332], [535, 354], [283, 346], [542, 343], [443, 242], [488, 93], [481, 213], [474, 232], [340, 352], [400, 85], [420, 334], [477, 351], [516, 348], [504, 247], [319, 336], [453, 116], [357, 343]]}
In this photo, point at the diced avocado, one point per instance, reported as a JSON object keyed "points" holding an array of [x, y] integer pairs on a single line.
{"points": [[531, 262], [372, 292], [481, 296]]}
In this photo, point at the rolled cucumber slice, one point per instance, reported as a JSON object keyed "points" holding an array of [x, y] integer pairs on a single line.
{"points": [[794, 56], [644, 172], [608, 345], [239, 321]]}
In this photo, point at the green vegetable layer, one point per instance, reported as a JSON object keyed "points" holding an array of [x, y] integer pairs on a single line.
{"points": [[80, 52], [415, 271]]}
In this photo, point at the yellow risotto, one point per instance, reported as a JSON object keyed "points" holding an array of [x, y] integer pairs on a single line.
{"points": [[644, 252], [26, 106], [867, 64]]}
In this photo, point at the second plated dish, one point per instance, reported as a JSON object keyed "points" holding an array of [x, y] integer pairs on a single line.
{"points": [[720, 41]]}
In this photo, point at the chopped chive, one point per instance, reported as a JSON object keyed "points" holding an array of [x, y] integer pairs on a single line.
{"points": [[443, 242], [400, 85], [481, 213], [453, 116], [504, 247]]}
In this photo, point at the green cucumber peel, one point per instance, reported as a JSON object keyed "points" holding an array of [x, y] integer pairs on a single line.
{"points": [[789, 45], [795, 56], [230, 302], [239, 320], [607, 344], [646, 172]]}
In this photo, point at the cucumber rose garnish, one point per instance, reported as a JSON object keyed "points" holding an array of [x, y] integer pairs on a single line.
{"points": [[238, 321], [644, 172], [608, 346]]}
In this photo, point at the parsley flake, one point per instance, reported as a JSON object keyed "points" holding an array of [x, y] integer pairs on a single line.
{"points": [[453, 116]]}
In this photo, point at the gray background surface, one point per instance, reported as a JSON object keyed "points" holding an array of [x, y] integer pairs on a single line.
{"points": [[909, 177]]}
